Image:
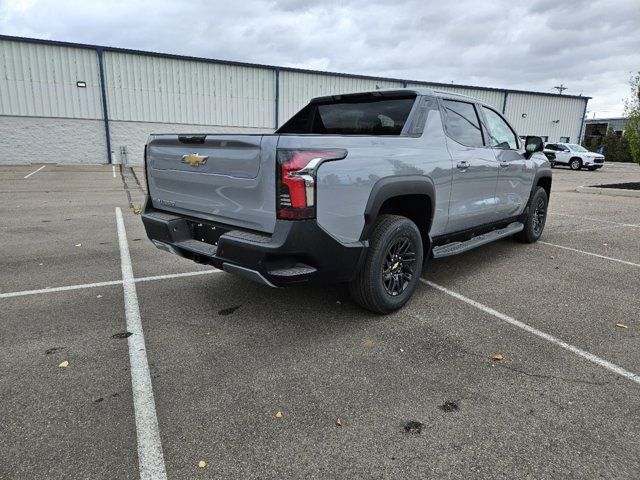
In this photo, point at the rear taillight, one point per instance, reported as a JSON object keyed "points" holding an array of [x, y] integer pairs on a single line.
{"points": [[296, 181], [146, 169]]}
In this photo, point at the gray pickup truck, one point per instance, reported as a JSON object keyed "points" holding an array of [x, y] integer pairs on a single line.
{"points": [[359, 188]]}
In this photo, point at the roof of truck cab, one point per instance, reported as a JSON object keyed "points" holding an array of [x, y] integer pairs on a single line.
{"points": [[396, 92]]}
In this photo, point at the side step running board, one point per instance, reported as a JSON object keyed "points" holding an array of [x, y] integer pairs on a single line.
{"points": [[459, 247]]}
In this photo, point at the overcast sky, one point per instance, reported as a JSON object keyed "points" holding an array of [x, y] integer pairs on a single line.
{"points": [[592, 47]]}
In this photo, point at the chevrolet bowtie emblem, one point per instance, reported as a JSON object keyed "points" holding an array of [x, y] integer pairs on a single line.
{"points": [[194, 159]]}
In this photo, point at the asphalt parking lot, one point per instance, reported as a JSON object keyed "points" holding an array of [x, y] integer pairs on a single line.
{"points": [[224, 355]]}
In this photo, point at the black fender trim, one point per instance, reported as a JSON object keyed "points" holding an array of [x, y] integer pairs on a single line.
{"points": [[540, 174], [390, 187]]}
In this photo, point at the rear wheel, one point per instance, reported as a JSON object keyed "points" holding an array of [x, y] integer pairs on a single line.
{"points": [[392, 268], [575, 164], [536, 217]]}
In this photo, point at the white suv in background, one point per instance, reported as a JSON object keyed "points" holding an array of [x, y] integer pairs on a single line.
{"points": [[575, 156]]}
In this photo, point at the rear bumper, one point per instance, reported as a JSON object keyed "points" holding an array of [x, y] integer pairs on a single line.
{"points": [[297, 252]]}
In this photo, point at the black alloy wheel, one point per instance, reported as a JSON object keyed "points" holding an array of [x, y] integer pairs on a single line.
{"points": [[534, 217], [398, 267], [392, 267], [539, 216]]}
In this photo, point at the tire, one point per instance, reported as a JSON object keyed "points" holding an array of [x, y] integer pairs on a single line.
{"points": [[382, 292], [592, 169], [536, 217], [575, 164]]}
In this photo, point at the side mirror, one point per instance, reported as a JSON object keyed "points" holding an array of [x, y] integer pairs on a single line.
{"points": [[533, 144]]}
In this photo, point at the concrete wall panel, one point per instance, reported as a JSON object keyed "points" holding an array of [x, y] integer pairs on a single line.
{"points": [[25, 140]]}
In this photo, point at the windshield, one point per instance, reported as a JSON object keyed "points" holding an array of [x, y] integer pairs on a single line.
{"points": [[576, 148], [353, 115]]}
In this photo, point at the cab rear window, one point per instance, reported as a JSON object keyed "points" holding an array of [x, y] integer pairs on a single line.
{"points": [[353, 115]]}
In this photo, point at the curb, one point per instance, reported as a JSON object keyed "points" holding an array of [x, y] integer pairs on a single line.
{"points": [[614, 192]]}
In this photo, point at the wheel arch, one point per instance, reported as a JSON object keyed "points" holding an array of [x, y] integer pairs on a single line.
{"points": [[575, 157], [544, 181], [410, 196]]}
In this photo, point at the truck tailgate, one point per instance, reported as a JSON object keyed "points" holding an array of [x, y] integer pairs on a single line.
{"points": [[222, 178]]}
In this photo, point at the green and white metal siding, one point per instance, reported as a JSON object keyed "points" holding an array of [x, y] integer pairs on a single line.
{"points": [[550, 116], [155, 93], [40, 81], [152, 89]]}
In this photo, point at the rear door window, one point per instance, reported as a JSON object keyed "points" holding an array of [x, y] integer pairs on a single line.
{"points": [[462, 123], [353, 115]]}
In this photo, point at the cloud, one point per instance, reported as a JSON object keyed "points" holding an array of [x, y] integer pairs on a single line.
{"points": [[590, 46]]}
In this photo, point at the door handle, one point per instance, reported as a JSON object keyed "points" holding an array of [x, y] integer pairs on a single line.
{"points": [[463, 165], [504, 164]]}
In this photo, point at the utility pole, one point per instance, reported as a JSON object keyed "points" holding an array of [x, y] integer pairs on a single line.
{"points": [[561, 88]]}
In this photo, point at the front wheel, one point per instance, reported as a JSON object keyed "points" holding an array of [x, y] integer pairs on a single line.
{"points": [[575, 164], [536, 217], [392, 268]]}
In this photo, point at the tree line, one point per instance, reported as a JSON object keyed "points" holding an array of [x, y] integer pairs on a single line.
{"points": [[625, 147]]}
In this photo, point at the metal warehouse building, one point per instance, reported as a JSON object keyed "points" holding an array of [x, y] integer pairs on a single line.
{"points": [[599, 126], [71, 103]]}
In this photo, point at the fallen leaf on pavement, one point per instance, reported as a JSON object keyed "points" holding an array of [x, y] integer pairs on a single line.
{"points": [[413, 427], [78, 244], [338, 422], [121, 335], [450, 406], [368, 343], [202, 464], [137, 209], [64, 364], [278, 414], [496, 357], [621, 325], [401, 350], [98, 296]]}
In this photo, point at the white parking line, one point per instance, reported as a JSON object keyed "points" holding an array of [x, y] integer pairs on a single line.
{"points": [[34, 172], [632, 225], [545, 336], [113, 169], [175, 275], [590, 253], [150, 457], [59, 289], [594, 229], [103, 284]]}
